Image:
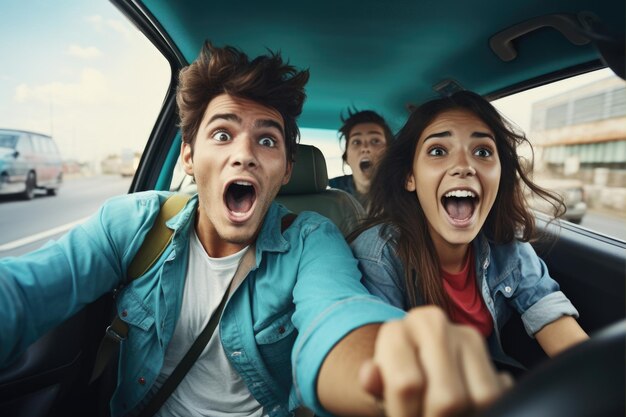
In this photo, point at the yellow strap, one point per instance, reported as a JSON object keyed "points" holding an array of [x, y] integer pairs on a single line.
{"points": [[152, 248], [157, 238]]}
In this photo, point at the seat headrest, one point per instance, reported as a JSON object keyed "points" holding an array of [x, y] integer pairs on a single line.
{"points": [[309, 172]]}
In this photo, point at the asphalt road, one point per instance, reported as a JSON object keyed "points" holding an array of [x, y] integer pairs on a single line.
{"points": [[607, 223], [27, 225]]}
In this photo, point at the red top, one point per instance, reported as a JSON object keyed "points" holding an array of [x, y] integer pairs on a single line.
{"points": [[467, 305]]}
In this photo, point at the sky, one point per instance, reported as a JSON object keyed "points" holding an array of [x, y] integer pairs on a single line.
{"points": [[79, 71]]}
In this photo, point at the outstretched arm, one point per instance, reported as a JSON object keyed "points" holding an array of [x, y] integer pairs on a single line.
{"points": [[420, 365], [559, 335]]}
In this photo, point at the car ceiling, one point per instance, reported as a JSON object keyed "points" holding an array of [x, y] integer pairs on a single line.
{"points": [[384, 55]]}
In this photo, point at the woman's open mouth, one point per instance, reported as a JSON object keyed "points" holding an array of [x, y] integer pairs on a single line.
{"points": [[460, 206], [239, 198]]}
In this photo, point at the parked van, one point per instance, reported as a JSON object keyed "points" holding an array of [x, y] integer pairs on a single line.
{"points": [[29, 161]]}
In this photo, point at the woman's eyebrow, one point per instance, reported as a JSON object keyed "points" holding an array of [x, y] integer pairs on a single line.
{"points": [[445, 134], [483, 135]]}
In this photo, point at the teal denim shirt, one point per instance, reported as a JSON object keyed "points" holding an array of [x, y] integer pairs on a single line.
{"points": [[511, 278], [303, 296]]}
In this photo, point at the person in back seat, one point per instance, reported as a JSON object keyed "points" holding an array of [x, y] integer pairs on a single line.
{"points": [[366, 136], [449, 226], [299, 329]]}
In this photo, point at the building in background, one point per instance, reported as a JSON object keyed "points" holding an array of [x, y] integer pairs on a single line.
{"points": [[581, 134]]}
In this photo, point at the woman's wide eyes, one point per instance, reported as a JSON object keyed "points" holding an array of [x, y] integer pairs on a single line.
{"points": [[483, 152], [436, 151]]}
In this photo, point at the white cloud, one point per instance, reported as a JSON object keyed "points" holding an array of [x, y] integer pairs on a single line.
{"points": [[90, 88], [118, 26], [88, 52], [94, 19], [102, 25]]}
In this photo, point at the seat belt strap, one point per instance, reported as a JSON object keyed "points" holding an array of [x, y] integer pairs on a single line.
{"points": [[153, 246], [177, 375], [245, 266]]}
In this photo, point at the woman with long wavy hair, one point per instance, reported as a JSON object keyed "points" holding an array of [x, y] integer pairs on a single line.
{"points": [[449, 225]]}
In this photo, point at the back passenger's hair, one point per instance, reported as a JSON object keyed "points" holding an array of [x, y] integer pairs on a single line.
{"points": [[266, 80]]}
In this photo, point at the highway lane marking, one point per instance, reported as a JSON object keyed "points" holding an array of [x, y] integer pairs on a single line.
{"points": [[40, 236]]}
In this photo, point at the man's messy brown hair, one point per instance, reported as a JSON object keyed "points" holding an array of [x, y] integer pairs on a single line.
{"points": [[266, 80]]}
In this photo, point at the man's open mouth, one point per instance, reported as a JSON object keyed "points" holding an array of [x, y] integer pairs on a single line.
{"points": [[240, 197], [365, 165], [459, 204]]}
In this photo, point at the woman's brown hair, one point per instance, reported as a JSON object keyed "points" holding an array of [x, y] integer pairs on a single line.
{"points": [[391, 204]]}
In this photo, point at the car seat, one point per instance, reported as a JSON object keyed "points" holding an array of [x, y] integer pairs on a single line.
{"points": [[308, 190]]}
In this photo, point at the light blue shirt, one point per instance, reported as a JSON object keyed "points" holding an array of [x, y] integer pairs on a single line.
{"points": [[511, 278], [303, 296]]}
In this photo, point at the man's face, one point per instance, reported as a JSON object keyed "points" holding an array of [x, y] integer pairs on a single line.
{"points": [[456, 175], [239, 163], [366, 145]]}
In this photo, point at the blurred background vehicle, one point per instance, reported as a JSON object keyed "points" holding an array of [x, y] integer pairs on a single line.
{"points": [[29, 161], [572, 193]]}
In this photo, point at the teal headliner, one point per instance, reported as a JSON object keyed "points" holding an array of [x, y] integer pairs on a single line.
{"points": [[384, 55]]}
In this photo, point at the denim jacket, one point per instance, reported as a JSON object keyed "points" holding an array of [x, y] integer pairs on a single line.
{"points": [[511, 278], [302, 297]]}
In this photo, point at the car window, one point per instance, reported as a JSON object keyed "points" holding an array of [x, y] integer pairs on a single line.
{"points": [[578, 130], [24, 144], [8, 141], [328, 142], [85, 86]]}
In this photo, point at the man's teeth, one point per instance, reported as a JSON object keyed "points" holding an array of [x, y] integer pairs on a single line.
{"points": [[249, 184], [460, 194]]}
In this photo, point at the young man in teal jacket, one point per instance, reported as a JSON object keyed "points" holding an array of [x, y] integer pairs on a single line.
{"points": [[299, 329]]}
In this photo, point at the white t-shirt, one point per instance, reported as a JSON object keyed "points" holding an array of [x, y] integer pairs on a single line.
{"points": [[211, 387]]}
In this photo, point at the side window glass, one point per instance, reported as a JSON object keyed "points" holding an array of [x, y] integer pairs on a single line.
{"points": [[577, 128], [37, 144], [24, 144], [49, 146], [97, 95], [328, 142]]}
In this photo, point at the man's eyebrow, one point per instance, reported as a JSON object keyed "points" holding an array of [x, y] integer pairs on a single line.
{"points": [[269, 123], [225, 116]]}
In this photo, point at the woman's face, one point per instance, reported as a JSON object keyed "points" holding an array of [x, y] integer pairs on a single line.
{"points": [[365, 146], [456, 173]]}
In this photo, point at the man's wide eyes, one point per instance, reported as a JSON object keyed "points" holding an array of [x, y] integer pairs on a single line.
{"points": [[267, 141], [221, 136]]}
